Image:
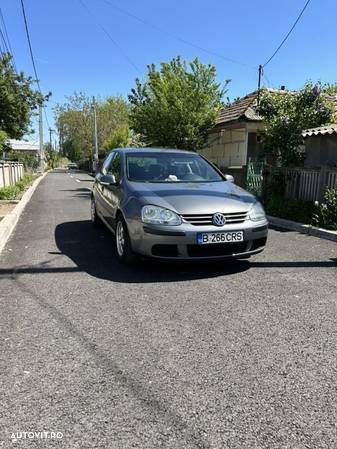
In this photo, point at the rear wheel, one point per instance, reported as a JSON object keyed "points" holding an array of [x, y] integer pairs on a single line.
{"points": [[96, 221], [123, 246]]}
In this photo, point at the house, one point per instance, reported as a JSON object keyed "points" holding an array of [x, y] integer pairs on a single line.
{"points": [[320, 146], [22, 150], [236, 137], [24, 147], [237, 134]]}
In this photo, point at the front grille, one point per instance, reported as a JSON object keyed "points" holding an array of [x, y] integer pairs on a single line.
{"points": [[206, 219], [165, 250], [214, 250]]}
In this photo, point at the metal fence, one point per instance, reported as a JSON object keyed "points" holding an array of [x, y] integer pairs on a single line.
{"points": [[307, 184], [10, 173]]}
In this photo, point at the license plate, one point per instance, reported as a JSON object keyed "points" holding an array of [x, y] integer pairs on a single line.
{"points": [[207, 238]]}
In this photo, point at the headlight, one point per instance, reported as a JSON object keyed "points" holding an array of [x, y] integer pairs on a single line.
{"points": [[160, 215], [257, 212]]}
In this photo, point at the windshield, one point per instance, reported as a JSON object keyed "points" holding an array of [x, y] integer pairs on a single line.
{"points": [[169, 167]]}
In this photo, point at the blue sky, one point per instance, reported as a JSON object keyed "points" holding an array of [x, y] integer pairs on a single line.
{"points": [[72, 52]]}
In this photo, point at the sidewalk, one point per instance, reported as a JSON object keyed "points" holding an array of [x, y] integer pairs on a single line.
{"points": [[6, 207], [12, 211], [302, 228]]}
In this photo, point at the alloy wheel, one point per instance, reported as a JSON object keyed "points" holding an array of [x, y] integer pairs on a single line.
{"points": [[93, 211], [120, 238]]}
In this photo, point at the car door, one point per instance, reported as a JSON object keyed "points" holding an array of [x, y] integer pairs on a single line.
{"points": [[112, 193], [100, 188]]}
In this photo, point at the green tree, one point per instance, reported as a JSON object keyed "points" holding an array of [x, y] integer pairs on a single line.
{"points": [[176, 105], [287, 114], [3, 138], [119, 138], [74, 120], [75, 126], [18, 99]]}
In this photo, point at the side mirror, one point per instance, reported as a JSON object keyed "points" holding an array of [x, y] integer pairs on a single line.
{"points": [[229, 178], [108, 180]]}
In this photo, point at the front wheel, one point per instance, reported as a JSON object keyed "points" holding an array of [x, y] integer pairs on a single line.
{"points": [[123, 246]]}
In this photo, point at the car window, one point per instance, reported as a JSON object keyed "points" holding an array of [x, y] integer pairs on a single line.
{"points": [[170, 167], [115, 166], [107, 163]]}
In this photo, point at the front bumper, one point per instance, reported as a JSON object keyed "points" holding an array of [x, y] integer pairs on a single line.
{"points": [[180, 242]]}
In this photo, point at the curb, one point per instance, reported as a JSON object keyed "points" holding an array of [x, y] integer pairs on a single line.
{"points": [[302, 228], [8, 223]]}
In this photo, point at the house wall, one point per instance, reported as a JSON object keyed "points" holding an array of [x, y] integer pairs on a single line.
{"points": [[320, 150], [227, 147], [231, 145]]}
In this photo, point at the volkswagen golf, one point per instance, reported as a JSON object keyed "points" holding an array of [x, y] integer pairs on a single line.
{"points": [[176, 205]]}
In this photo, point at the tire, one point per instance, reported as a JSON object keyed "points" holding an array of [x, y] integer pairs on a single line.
{"points": [[122, 240], [95, 220]]}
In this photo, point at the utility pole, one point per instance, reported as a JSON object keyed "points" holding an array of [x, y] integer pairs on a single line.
{"points": [[41, 152], [259, 85], [95, 167], [50, 133], [60, 141]]}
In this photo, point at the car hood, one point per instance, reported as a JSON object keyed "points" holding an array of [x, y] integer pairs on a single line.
{"points": [[194, 198]]}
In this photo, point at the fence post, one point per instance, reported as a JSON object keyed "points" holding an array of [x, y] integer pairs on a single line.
{"points": [[322, 182]]}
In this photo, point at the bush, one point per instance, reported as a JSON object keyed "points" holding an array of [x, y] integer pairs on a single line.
{"points": [[13, 192], [290, 209], [9, 193], [325, 215], [29, 161]]}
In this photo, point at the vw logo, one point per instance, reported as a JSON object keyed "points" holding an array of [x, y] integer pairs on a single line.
{"points": [[219, 219]]}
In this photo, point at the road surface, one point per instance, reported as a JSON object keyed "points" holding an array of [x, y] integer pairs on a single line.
{"points": [[239, 355]]}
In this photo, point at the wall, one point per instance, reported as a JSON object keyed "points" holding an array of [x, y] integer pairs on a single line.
{"points": [[227, 147], [320, 150], [10, 173]]}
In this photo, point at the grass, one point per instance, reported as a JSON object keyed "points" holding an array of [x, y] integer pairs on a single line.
{"points": [[15, 192]]}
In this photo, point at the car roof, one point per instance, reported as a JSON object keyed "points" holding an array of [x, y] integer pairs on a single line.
{"points": [[151, 150]]}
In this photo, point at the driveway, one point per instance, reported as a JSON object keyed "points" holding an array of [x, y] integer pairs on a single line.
{"points": [[230, 355]]}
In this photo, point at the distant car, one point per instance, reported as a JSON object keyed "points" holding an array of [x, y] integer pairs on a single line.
{"points": [[175, 205], [72, 166]]}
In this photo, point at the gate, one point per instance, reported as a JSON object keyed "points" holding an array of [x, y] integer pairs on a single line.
{"points": [[254, 179]]}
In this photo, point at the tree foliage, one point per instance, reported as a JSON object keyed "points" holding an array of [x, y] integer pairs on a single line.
{"points": [[18, 99], [74, 120], [286, 114], [3, 138], [177, 104], [119, 138]]}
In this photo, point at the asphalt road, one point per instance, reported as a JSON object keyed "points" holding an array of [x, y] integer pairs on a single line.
{"points": [[238, 355]]}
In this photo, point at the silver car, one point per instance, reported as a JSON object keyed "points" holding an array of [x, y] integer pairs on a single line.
{"points": [[171, 204]]}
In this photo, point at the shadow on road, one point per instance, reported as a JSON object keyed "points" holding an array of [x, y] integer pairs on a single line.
{"points": [[83, 192], [93, 251]]}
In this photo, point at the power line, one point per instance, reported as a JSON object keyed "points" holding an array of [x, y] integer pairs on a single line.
{"points": [[288, 34], [4, 43], [32, 57], [110, 37], [2, 51], [5, 34], [29, 44], [184, 41]]}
